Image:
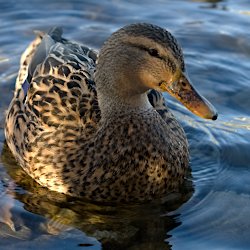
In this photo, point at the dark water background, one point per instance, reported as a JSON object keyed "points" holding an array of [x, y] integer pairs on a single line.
{"points": [[215, 36]]}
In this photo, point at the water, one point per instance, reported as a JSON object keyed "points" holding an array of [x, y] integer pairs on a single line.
{"points": [[215, 37]]}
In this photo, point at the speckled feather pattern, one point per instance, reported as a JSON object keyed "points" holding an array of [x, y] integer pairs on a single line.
{"points": [[56, 133]]}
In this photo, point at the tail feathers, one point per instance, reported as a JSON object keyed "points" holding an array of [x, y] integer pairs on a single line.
{"points": [[42, 51], [56, 33], [40, 54], [26, 59], [39, 33], [34, 54]]}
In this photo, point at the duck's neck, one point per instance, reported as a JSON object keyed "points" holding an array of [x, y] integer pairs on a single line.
{"points": [[118, 91], [112, 106]]}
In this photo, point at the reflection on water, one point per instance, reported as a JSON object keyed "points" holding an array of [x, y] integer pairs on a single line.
{"points": [[215, 36], [214, 4], [117, 227]]}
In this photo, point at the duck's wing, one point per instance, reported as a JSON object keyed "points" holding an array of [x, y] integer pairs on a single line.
{"points": [[54, 89], [59, 86]]}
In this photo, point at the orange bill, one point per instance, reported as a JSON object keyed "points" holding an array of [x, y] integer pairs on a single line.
{"points": [[183, 91]]}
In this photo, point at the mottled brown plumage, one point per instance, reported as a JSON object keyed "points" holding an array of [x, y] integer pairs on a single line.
{"points": [[106, 136]]}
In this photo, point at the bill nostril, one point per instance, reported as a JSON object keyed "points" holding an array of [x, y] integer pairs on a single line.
{"points": [[183, 84]]}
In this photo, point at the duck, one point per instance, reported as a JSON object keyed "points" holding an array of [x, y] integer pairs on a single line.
{"points": [[96, 125]]}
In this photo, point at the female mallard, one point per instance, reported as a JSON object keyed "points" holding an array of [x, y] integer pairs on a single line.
{"points": [[108, 135]]}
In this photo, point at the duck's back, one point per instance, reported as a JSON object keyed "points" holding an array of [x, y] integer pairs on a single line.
{"points": [[55, 97]]}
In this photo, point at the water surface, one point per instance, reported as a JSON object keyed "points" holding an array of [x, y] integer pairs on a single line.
{"points": [[215, 36]]}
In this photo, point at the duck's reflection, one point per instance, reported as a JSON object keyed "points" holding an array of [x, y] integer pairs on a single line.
{"points": [[140, 226]]}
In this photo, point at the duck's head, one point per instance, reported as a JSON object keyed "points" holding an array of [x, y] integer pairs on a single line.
{"points": [[142, 56]]}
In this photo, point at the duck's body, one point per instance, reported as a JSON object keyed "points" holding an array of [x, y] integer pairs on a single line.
{"points": [[91, 141]]}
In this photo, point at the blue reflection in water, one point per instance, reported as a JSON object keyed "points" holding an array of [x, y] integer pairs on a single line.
{"points": [[215, 37]]}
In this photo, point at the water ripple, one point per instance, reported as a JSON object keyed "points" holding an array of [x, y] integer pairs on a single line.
{"points": [[215, 37]]}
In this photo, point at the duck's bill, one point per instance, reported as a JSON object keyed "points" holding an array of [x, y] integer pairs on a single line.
{"points": [[183, 91]]}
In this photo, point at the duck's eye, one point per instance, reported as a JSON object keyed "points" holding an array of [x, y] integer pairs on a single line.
{"points": [[154, 52]]}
